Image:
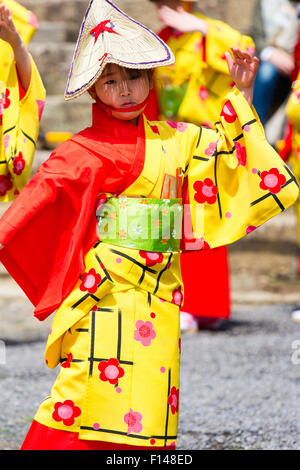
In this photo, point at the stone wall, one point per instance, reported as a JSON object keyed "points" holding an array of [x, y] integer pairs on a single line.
{"points": [[53, 46]]}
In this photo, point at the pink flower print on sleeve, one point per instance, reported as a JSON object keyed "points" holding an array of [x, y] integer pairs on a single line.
{"points": [[19, 164], [110, 371], [144, 332], [211, 149], [151, 257], [90, 281], [241, 154], [206, 191], [133, 420], [272, 180], [6, 140], [179, 126], [66, 412], [228, 112], [173, 400]]}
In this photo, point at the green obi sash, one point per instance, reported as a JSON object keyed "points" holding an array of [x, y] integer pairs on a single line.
{"points": [[141, 223]]}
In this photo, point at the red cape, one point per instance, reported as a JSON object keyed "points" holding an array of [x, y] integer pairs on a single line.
{"points": [[51, 225]]}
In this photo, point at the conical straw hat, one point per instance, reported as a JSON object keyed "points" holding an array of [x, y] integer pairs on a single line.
{"points": [[108, 35]]}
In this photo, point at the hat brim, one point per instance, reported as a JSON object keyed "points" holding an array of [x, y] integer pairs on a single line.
{"points": [[122, 41]]}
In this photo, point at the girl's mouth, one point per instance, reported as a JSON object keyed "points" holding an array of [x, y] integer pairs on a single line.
{"points": [[128, 105]]}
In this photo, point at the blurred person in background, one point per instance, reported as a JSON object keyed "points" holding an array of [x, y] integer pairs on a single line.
{"points": [[275, 32], [22, 97], [289, 147], [193, 90]]}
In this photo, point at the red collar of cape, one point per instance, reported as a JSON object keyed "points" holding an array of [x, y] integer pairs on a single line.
{"points": [[51, 225]]}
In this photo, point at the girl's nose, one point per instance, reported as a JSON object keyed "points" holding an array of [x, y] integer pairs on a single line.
{"points": [[124, 88]]}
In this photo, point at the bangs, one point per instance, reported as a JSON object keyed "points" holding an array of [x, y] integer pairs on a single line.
{"points": [[126, 73]]}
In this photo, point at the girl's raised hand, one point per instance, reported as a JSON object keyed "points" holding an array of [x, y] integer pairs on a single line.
{"points": [[9, 33], [243, 69], [8, 30]]}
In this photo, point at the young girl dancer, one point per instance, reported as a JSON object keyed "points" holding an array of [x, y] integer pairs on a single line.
{"points": [[95, 235]]}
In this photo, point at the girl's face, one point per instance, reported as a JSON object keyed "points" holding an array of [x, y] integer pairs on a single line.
{"points": [[118, 87]]}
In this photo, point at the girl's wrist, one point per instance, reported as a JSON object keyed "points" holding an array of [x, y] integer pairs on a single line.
{"points": [[17, 44], [201, 26], [247, 93]]}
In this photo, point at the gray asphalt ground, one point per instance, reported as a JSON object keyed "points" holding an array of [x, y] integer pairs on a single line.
{"points": [[240, 386]]}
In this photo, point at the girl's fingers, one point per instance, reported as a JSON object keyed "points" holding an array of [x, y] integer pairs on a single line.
{"points": [[229, 60]]}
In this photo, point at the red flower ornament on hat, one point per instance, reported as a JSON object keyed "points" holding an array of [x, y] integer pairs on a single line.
{"points": [[103, 27]]}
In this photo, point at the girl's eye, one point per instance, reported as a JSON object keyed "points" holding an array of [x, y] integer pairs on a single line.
{"points": [[110, 82], [135, 77]]}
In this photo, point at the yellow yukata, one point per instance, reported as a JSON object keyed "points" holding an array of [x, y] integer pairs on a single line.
{"points": [[117, 335], [19, 118], [293, 114], [194, 88]]}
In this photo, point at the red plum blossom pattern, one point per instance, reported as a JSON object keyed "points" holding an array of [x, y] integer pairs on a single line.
{"points": [[90, 281], [173, 400], [240, 154], [110, 371], [206, 191], [228, 112], [151, 257], [66, 412], [144, 332], [133, 420], [272, 180], [177, 296], [19, 164]]}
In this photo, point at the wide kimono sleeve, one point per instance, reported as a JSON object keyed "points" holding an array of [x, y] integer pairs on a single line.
{"points": [[236, 180], [48, 229]]}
